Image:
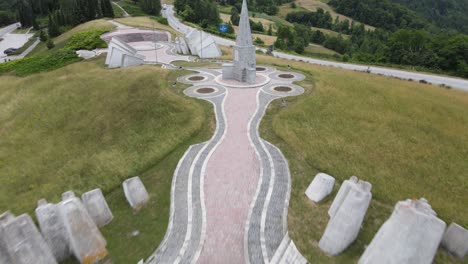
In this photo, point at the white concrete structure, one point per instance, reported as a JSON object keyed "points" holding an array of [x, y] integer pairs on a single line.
{"points": [[455, 240], [341, 195], [86, 241], [97, 207], [22, 242], [243, 68], [412, 234], [347, 216], [53, 229], [121, 55], [68, 195], [201, 44], [320, 187], [135, 192]]}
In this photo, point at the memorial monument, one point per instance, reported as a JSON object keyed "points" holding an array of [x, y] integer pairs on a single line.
{"points": [[243, 68]]}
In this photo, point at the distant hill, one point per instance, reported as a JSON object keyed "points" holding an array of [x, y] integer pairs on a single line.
{"points": [[446, 14]]}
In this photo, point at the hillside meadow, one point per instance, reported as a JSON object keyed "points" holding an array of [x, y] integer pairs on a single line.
{"points": [[408, 139]]}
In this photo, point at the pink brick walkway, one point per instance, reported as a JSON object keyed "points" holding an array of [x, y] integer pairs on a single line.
{"points": [[231, 179]]}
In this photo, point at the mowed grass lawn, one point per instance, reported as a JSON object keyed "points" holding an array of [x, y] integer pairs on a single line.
{"points": [[408, 139], [84, 126]]}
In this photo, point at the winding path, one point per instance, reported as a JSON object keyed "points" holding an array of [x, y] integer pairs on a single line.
{"points": [[230, 195]]}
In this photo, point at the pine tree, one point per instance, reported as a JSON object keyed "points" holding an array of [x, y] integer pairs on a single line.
{"points": [[53, 27], [107, 10]]}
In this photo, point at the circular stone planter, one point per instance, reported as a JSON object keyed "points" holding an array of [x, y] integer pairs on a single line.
{"points": [[286, 76], [196, 78], [205, 90], [283, 89], [261, 69]]}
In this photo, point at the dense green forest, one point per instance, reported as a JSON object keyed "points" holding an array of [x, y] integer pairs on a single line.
{"points": [[7, 12], [204, 12], [447, 14], [379, 13], [403, 36]]}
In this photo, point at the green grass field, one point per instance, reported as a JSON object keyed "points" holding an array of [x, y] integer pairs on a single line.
{"points": [[408, 139], [83, 127]]}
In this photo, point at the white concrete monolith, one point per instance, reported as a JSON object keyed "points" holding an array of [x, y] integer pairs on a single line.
{"points": [[121, 55], [341, 195], [68, 195], [97, 207], [5, 256], [53, 229], [24, 243], [135, 192], [321, 186], [345, 223], [455, 240], [243, 68], [86, 241], [201, 44], [412, 234]]}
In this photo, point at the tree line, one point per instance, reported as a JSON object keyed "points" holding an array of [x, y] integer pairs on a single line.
{"points": [[321, 19], [412, 47], [203, 12], [62, 12]]}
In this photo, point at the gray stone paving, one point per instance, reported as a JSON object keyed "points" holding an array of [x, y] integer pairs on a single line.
{"points": [[266, 226], [254, 244], [184, 237], [174, 239], [275, 227]]}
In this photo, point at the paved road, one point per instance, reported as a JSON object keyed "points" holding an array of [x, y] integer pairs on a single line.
{"points": [[124, 13], [458, 83], [8, 29]]}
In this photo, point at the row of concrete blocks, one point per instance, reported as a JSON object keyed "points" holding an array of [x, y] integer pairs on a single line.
{"points": [[412, 234], [70, 227]]}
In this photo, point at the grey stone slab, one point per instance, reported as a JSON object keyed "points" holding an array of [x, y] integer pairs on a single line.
{"points": [[97, 207], [68, 195], [53, 229], [455, 240], [135, 192], [4, 253], [345, 224], [86, 241], [341, 195], [412, 234], [24, 242], [320, 187]]}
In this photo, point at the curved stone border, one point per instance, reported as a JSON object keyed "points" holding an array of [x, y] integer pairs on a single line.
{"points": [[267, 70], [186, 79], [192, 91], [296, 89], [296, 76]]}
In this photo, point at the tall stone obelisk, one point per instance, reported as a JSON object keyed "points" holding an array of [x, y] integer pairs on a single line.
{"points": [[243, 68]]}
